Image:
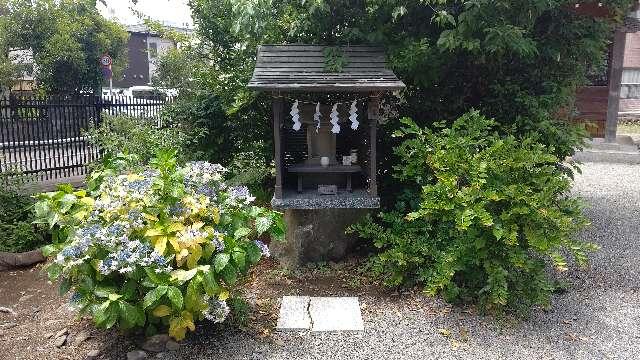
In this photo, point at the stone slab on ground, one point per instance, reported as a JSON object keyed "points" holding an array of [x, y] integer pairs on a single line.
{"points": [[623, 151], [320, 314], [294, 313], [607, 156], [335, 314]]}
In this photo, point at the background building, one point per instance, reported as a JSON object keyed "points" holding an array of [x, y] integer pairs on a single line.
{"points": [[630, 85], [25, 82], [144, 49]]}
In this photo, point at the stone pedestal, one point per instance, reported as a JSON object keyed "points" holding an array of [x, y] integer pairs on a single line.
{"points": [[316, 235]]}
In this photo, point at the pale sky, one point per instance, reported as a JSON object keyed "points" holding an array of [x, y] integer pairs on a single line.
{"points": [[170, 12]]}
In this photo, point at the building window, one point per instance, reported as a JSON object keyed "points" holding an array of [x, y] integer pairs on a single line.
{"points": [[153, 50]]}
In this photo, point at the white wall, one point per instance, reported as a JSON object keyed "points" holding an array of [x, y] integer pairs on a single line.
{"points": [[162, 45]]}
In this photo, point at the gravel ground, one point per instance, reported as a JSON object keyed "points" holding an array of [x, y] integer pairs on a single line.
{"points": [[597, 318]]}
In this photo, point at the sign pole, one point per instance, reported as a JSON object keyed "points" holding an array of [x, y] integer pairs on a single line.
{"points": [[105, 62]]}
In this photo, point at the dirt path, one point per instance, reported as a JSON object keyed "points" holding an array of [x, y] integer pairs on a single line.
{"points": [[40, 313]]}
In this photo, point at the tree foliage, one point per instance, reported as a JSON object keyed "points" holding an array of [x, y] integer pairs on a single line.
{"points": [[67, 38], [518, 61]]}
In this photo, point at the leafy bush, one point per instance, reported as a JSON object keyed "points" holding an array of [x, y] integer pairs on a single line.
{"points": [[483, 214], [140, 136], [158, 247], [17, 232], [249, 168]]}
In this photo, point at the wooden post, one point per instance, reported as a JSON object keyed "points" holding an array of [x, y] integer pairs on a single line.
{"points": [[373, 113], [615, 79], [277, 142]]}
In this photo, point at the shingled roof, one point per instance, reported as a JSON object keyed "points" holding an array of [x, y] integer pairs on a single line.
{"points": [[302, 68]]}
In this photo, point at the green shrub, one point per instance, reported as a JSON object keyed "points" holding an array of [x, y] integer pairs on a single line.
{"points": [[140, 137], [159, 247], [249, 168], [17, 232], [481, 216]]}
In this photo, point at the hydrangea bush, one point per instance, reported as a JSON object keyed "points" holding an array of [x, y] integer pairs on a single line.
{"points": [[157, 247]]}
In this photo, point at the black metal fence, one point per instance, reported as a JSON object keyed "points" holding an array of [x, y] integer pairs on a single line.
{"points": [[46, 136]]}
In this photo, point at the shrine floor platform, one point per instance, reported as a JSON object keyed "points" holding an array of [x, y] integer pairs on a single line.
{"points": [[310, 199]]}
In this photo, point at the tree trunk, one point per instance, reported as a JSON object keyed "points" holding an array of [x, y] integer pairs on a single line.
{"points": [[11, 260]]}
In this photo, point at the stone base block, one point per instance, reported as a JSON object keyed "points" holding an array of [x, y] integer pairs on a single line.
{"points": [[316, 235]]}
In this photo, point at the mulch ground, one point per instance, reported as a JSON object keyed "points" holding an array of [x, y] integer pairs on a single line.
{"points": [[40, 312]]}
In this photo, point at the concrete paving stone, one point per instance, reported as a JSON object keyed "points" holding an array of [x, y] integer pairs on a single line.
{"points": [[294, 313], [335, 314]]}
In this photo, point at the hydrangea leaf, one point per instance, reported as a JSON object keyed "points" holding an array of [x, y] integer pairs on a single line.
{"points": [[211, 286], [278, 229], [229, 274], [160, 244], [263, 224], [253, 253], [175, 227], [100, 313], [194, 256], [161, 311], [104, 291], [181, 256], [181, 276], [48, 250], [67, 202], [130, 315], [87, 201], [179, 325], [242, 232], [239, 258], [194, 298], [114, 296], [221, 260], [175, 296], [153, 232], [215, 215], [154, 295], [149, 217]]}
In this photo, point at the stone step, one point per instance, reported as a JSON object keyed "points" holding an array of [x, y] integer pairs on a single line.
{"points": [[320, 314], [624, 151]]}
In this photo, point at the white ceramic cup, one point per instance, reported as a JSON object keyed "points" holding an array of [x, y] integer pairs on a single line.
{"points": [[324, 161]]}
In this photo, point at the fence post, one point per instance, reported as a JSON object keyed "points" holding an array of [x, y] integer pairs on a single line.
{"points": [[98, 111]]}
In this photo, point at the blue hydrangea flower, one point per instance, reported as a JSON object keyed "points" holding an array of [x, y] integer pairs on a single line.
{"points": [[217, 311], [75, 298], [240, 194], [263, 248]]}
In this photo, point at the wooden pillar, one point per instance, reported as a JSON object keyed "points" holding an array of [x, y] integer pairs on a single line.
{"points": [[373, 113], [277, 142], [615, 80]]}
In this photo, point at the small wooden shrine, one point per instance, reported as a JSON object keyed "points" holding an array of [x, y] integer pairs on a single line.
{"points": [[325, 150]]}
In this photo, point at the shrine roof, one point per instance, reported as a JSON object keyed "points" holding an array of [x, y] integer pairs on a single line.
{"points": [[302, 68]]}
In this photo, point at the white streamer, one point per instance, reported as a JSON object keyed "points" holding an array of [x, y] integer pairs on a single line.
{"points": [[334, 119], [295, 116], [353, 115], [316, 116]]}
